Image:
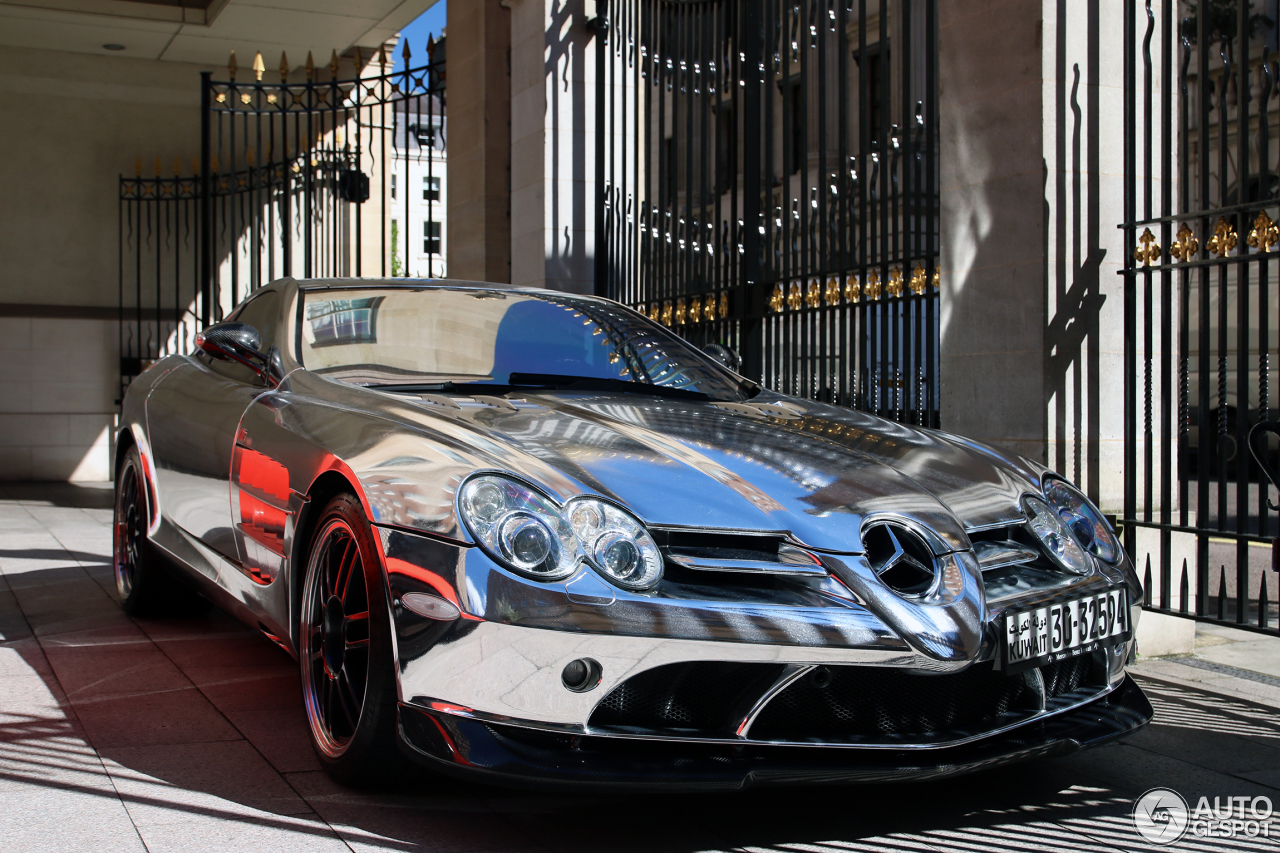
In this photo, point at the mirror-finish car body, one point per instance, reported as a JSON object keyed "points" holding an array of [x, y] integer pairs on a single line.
{"points": [[840, 598]]}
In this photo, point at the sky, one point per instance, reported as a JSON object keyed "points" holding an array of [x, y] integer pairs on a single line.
{"points": [[429, 23]]}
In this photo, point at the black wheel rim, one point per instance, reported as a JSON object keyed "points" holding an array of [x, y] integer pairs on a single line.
{"points": [[130, 528], [335, 638]]}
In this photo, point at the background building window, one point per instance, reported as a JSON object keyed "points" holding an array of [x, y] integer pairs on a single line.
{"points": [[431, 238], [431, 189], [393, 184]]}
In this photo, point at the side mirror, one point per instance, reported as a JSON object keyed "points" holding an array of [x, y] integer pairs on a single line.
{"points": [[724, 355], [237, 342]]}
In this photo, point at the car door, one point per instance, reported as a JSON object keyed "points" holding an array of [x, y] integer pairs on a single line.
{"points": [[191, 419]]}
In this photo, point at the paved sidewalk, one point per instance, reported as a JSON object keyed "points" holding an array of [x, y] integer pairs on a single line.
{"points": [[188, 735]]}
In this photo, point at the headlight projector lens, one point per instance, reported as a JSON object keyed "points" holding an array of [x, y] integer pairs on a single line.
{"points": [[1055, 538]]}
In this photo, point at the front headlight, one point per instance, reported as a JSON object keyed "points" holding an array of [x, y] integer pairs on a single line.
{"points": [[1082, 518], [528, 533], [617, 544], [520, 528], [1058, 542]]}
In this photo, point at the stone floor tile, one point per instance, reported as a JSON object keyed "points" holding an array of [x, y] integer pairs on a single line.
{"points": [[173, 716], [171, 783], [280, 735], [114, 670], [220, 834], [249, 688], [49, 818]]}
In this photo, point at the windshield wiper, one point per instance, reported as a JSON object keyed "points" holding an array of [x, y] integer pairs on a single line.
{"points": [[561, 382]]}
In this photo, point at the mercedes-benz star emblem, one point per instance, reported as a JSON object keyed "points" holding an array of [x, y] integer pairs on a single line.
{"points": [[900, 558]]}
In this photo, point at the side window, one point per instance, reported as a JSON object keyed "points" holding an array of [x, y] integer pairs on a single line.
{"points": [[263, 313]]}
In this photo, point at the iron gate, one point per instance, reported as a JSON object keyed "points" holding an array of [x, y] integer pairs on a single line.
{"points": [[770, 179], [305, 177], [1202, 291]]}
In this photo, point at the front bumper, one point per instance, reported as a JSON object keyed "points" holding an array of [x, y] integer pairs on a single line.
{"points": [[512, 755], [484, 694]]}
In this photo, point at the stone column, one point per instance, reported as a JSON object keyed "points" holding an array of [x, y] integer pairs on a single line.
{"points": [[479, 102], [553, 190], [1032, 325]]}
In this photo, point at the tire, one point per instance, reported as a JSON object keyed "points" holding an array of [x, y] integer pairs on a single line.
{"points": [[145, 583], [345, 653]]}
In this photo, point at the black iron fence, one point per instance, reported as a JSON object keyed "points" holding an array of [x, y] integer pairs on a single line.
{"points": [[771, 183], [313, 177], [1202, 289]]}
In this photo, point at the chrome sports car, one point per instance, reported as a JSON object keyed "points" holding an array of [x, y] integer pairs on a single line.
{"points": [[537, 537]]}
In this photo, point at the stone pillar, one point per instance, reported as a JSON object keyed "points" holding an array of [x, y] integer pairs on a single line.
{"points": [[479, 101], [1032, 323], [553, 191]]}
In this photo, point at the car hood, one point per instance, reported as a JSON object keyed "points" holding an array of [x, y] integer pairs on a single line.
{"points": [[774, 464]]}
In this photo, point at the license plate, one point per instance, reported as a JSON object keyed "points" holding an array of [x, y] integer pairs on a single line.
{"points": [[1057, 631]]}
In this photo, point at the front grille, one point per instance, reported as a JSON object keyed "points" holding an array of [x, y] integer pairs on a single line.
{"points": [[853, 703], [1067, 676], [702, 697]]}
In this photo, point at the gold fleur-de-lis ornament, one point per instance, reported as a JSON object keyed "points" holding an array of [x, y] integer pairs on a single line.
{"points": [[917, 279], [1224, 238], [833, 291], [777, 299], [852, 289], [1149, 251], [813, 296], [1265, 233], [1186, 246], [873, 284], [795, 298], [894, 287]]}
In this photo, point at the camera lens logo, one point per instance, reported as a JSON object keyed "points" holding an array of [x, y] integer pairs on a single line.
{"points": [[1160, 816]]}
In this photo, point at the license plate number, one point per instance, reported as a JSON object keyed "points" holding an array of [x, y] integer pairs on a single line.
{"points": [[1066, 629]]}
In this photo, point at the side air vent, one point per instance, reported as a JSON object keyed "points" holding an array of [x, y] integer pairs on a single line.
{"points": [[717, 551]]}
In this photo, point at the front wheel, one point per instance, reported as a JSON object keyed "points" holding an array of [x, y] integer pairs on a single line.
{"points": [[145, 585], [348, 678]]}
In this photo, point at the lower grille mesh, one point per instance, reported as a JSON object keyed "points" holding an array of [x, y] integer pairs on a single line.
{"points": [[1068, 675], [874, 702], [702, 697]]}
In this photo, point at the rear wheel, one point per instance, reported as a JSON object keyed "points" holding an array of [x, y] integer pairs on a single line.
{"points": [[348, 680], [145, 583]]}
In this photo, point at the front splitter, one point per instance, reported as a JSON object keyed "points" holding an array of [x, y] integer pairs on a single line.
{"points": [[509, 755]]}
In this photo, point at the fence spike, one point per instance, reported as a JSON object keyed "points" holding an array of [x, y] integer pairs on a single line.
{"points": [[1222, 593], [406, 53], [382, 57], [177, 166], [137, 167], [248, 156], [195, 165], [258, 66], [333, 64], [1184, 588], [157, 165], [231, 66], [1146, 583], [359, 61], [284, 67], [311, 66], [1264, 606]]}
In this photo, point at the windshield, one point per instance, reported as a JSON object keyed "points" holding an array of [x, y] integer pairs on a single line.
{"points": [[402, 337]]}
